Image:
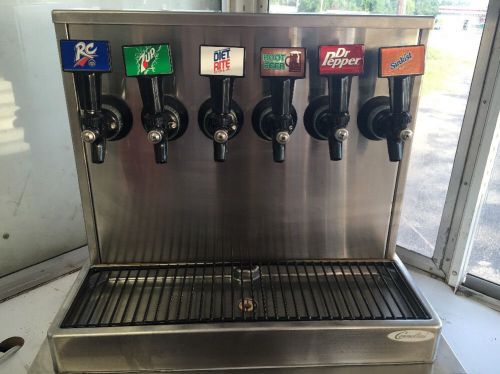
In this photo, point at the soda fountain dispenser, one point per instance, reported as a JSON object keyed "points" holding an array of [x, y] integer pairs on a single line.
{"points": [[254, 263]]}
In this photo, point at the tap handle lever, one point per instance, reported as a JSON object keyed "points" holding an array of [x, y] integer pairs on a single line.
{"points": [[339, 91], [88, 90], [281, 106]]}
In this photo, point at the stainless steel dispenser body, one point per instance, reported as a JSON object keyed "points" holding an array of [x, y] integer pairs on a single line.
{"points": [[193, 210]]}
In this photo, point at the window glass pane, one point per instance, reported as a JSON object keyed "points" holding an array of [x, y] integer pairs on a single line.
{"points": [[485, 256], [451, 56]]}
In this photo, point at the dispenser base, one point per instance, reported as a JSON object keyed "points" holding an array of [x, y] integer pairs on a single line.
{"points": [[279, 314]]}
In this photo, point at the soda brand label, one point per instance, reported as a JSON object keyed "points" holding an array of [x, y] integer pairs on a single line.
{"points": [[222, 61], [151, 59], [85, 55], [283, 62], [397, 61], [346, 59]]}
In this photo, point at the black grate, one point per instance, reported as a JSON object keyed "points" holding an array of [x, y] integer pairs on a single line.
{"points": [[228, 292]]}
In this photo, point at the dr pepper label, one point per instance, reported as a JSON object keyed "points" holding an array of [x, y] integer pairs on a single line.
{"points": [[346, 59]]}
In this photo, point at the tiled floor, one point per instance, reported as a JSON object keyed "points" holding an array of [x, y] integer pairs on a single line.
{"points": [[472, 329]]}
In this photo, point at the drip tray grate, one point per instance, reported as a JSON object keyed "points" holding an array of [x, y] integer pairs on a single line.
{"points": [[230, 292]]}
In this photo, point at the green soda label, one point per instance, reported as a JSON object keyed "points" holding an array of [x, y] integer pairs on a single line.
{"points": [[153, 59]]}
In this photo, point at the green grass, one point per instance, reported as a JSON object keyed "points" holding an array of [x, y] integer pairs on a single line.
{"points": [[442, 68]]}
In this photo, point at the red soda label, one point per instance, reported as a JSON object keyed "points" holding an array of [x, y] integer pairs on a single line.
{"points": [[346, 59]]}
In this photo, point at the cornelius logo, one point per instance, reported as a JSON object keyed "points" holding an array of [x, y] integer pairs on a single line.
{"points": [[146, 60], [406, 57], [341, 59], [222, 60], [85, 54]]}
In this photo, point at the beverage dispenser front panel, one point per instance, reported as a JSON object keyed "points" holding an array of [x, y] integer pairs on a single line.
{"points": [[192, 208]]}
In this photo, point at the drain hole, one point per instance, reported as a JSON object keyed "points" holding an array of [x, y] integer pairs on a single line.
{"points": [[246, 273], [247, 305]]}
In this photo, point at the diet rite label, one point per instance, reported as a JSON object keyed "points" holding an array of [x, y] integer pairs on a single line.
{"points": [[397, 61], [85, 55], [347, 59], [283, 62], [222, 61], [151, 59]]}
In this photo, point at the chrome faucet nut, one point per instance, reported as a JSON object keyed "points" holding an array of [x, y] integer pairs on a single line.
{"points": [[221, 136], [155, 136]]}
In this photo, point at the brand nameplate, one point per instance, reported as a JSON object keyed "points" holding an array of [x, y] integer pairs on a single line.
{"points": [[397, 61], [85, 55], [150, 59], [346, 59], [411, 336], [222, 61], [283, 62]]}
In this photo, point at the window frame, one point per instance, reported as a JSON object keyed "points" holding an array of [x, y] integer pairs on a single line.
{"points": [[471, 167]]}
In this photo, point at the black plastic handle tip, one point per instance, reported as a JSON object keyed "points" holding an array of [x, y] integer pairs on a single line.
{"points": [[395, 150], [335, 148], [220, 150], [98, 151], [278, 152], [161, 152]]}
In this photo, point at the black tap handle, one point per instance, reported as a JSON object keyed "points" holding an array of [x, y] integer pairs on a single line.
{"points": [[400, 118], [220, 150], [161, 151], [221, 91], [336, 148], [151, 90], [281, 106], [278, 151], [339, 90], [98, 150], [88, 91], [281, 96]]}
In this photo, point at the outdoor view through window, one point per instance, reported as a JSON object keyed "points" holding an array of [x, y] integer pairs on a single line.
{"points": [[451, 57]]}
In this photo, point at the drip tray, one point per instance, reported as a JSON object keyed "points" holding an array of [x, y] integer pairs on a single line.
{"points": [[240, 315]]}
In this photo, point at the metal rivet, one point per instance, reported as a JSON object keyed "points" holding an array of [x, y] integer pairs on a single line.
{"points": [[406, 135], [341, 134], [454, 272], [154, 136], [282, 137], [172, 125], [221, 136], [88, 136]]}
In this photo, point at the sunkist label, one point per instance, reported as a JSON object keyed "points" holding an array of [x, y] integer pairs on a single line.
{"points": [[397, 61], [222, 61], [152, 59], [85, 55], [283, 62], [347, 59]]}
